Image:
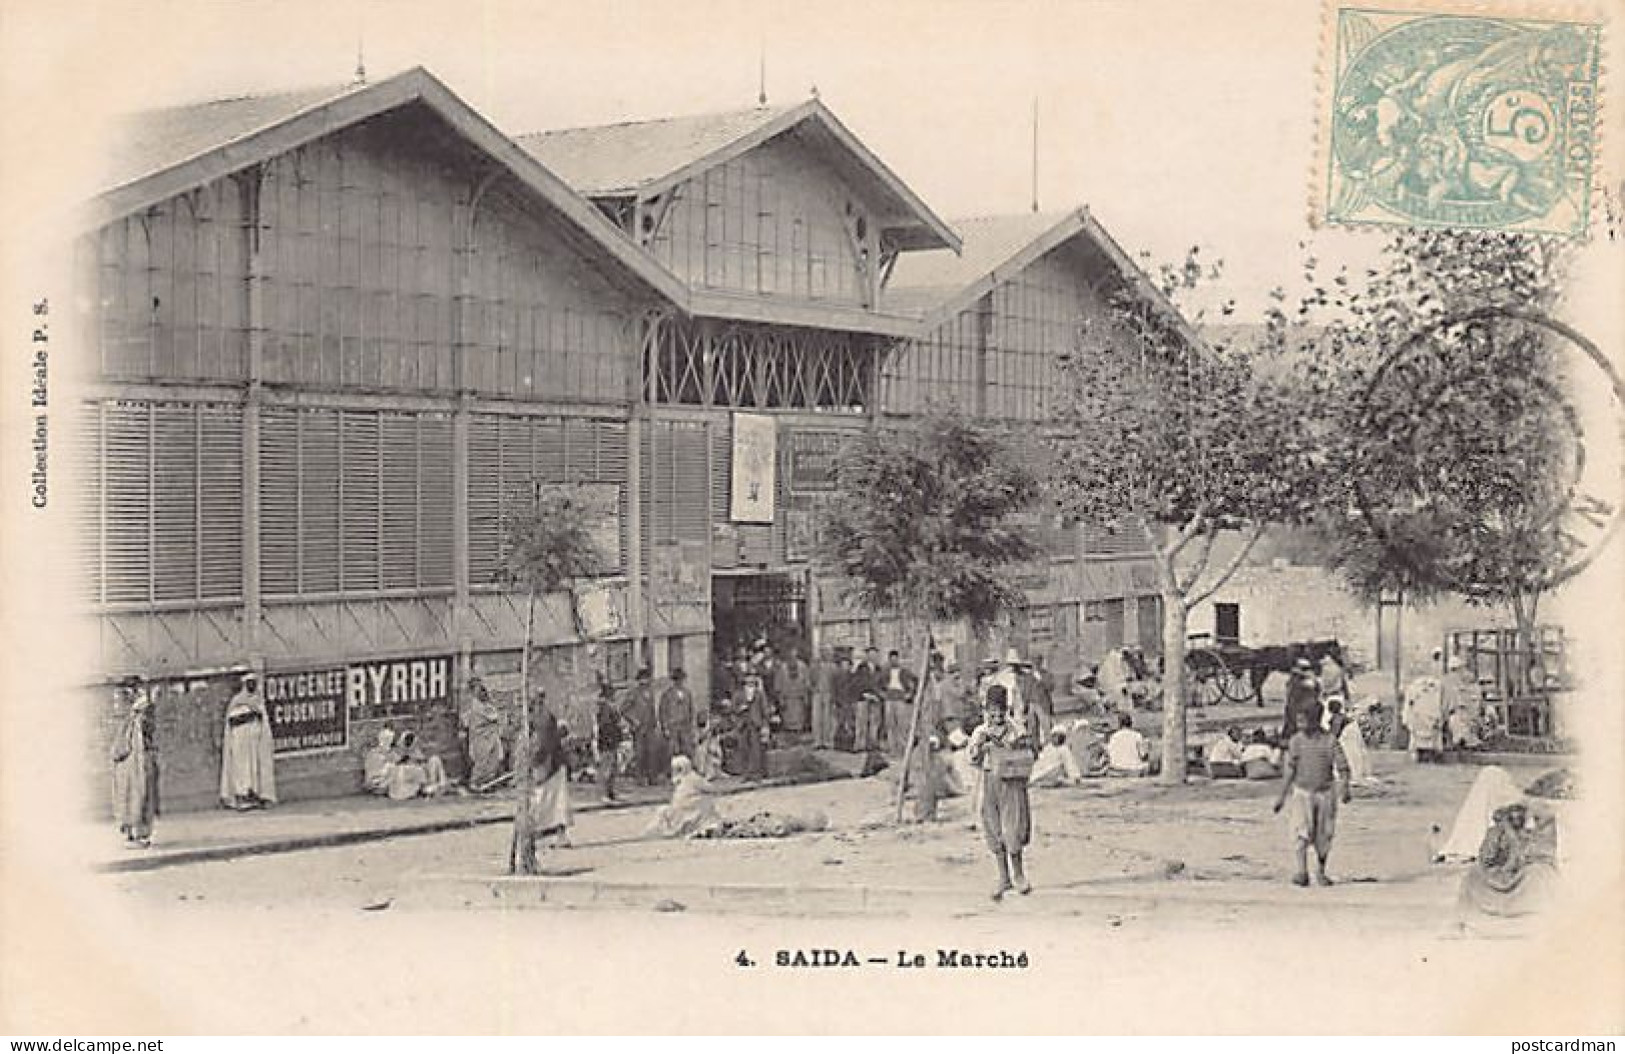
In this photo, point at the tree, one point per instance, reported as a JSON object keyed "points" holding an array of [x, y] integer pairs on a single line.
{"points": [[1452, 438], [922, 527], [548, 546], [1192, 439]]}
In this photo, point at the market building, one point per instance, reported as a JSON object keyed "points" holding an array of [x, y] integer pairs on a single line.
{"points": [[338, 333]]}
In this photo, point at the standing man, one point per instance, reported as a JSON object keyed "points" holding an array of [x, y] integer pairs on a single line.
{"points": [[1334, 680], [1302, 692], [135, 767], [1041, 696], [824, 683], [897, 689], [1315, 766], [607, 734], [676, 715], [247, 772], [487, 749], [648, 747], [792, 684], [865, 689]]}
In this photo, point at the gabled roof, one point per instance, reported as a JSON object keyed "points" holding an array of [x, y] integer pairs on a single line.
{"points": [[619, 160], [936, 286], [645, 158], [922, 282], [169, 152]]}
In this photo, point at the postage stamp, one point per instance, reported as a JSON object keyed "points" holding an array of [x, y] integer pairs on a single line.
{"points": [[1457, 118]]}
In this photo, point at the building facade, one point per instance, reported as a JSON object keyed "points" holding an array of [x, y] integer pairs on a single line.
{"points": [[339, 335]]}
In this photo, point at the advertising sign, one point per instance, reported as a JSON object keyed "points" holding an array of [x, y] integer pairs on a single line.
{"points": [[813, 457], [308, 711], [397, 687], [755, 453]]}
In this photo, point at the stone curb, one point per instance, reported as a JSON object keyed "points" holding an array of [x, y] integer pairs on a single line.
{"points": [[153, 861], [440, 892]]}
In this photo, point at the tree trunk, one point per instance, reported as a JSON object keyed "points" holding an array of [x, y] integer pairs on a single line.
{"points": [[522, 855], [1528, 666], [913, 727], [1174, 618]]}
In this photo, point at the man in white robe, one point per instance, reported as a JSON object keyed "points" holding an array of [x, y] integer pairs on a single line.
{"points": [[247, 771]]}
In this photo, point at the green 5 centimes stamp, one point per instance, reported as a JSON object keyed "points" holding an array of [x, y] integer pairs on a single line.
{"points": [[1464, 120]]}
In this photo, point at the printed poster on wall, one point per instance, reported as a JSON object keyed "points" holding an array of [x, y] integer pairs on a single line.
{"points": [[755, 452], [813, 460], [598, 611], [308, 710]]}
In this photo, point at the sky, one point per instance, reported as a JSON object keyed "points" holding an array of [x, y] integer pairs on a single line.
{"points": [[1177, 122]]}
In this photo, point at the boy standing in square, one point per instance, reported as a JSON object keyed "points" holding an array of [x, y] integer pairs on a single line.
{"points": [[1314, 767]]}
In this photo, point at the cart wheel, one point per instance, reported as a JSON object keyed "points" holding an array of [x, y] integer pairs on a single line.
{"points": [[1238, 687]]}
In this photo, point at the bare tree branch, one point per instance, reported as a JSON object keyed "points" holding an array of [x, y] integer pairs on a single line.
{"points": [[1236, 561], [1191, 528], [1209, 536]]}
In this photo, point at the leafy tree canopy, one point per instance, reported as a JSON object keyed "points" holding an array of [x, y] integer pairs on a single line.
{"points": [[924, 522]]}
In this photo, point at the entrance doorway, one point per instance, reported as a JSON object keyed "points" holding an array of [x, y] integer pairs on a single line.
{"points": [[748, 608]]}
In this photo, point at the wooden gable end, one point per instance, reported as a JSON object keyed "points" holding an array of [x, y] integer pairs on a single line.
{"points": [[376, 250], [997, 357], [777, 221]]}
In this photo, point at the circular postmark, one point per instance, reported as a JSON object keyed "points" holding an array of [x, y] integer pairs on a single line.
{"points": [[1464, 121], [1473, 471]]}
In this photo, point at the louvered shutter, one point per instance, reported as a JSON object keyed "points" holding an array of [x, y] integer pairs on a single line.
{"points": [[690, 497], [655, 486], [437, 503], [319, 490], [360, 496], [484, 498], [279, 502], [612, 465], [220, 499], [398, 452], [128, 461], [722, 554]]}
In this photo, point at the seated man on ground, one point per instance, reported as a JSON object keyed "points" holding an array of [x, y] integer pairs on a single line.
{"points": [[1127, 751], [378, 763], [1087, 748], [1224, 756], [1515, 872], [415, 774], [1056, 765], [1261, 759], [692, 808]]}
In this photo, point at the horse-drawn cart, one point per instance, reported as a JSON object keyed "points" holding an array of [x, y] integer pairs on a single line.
{"points": [[1227, 671]]}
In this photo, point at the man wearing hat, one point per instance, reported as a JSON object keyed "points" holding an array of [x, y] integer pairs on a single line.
{"points": [[247, 770], [1009, 674], [1302, 693], [649, 748]]}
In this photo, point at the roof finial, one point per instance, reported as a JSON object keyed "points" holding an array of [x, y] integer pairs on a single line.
{"points": [[761, 75], [361, 57], [814, 91], [1035, 153]]}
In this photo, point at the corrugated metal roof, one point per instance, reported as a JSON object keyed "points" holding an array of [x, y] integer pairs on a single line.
{"points": [[921, 281], [153, 140], [605, 160]]}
